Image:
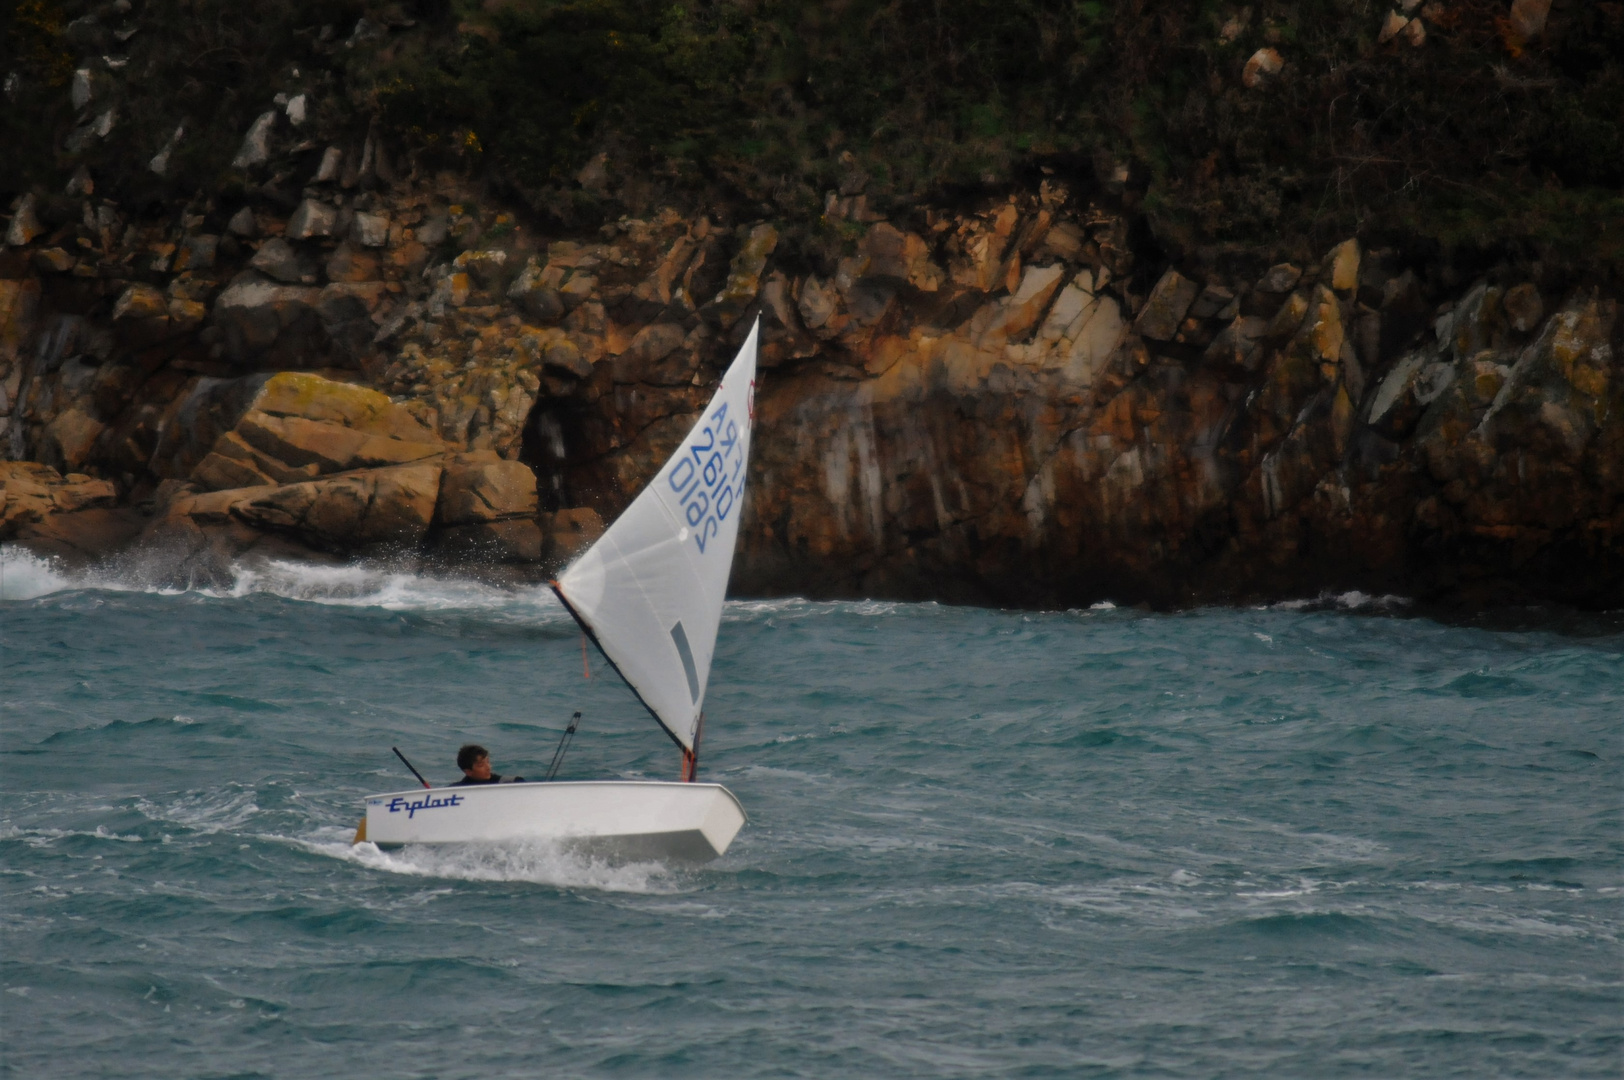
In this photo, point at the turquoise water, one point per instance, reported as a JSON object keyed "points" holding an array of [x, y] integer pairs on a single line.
{"points": [[1331, 839]]}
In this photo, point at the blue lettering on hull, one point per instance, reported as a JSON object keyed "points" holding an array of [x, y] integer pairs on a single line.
{"points": [[427, 802]]}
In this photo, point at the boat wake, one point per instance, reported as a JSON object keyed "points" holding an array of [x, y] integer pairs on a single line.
{"points": [[535, 862]]}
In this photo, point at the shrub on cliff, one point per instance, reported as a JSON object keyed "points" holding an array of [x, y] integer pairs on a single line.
{"points": [[1475, 135], [1468, 127]]}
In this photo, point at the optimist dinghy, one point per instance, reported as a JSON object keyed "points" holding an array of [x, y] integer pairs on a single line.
{"points": [[649, 594]]}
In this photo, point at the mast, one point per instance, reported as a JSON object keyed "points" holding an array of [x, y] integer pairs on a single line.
{"points": [[649, 592]]}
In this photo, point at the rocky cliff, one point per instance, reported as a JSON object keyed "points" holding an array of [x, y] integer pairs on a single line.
{"points": [[1017, 396]]}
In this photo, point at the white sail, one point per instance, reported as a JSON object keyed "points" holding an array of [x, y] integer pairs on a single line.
{"points": [[650, 590]]}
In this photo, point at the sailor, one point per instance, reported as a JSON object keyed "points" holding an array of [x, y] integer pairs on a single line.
{"points": [[475, 762]]}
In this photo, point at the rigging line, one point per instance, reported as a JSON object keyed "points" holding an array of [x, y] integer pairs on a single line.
{"points": [[563, 742], [587, 629]]}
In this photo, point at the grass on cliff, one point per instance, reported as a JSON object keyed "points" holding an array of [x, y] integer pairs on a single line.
{"points": [[1475, 138]]}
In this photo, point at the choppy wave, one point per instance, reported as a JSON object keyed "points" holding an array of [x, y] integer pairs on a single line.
{"points": [[535, 862], [27, 576], [1352, 600]]}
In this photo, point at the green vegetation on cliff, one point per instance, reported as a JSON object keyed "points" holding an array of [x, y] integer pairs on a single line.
{"points": [[1466, 129]]}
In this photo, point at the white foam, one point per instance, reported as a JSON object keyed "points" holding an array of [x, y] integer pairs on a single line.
{"points": [[794, 607], [26, 576], [366, 585], [47, 837], [537, 862], [1352, 600]]}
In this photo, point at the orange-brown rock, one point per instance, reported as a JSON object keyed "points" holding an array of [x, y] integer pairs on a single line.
{"points": [[371, 510], [482, 487], [1014, 401]]}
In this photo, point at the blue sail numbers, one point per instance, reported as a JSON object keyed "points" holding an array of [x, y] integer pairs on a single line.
{"points": [[708, 479], [650, 590]]}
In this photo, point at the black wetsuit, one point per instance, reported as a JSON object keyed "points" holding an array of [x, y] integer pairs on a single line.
{"points": [[496, 778]]}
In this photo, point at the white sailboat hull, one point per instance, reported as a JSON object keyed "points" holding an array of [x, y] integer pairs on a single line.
{"points": [[636, 819]]}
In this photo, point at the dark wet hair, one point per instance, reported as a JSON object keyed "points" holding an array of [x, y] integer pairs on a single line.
{"points": [[469, 754]]}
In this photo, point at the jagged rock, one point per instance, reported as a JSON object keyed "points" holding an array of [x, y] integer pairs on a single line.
{"points": [[1213, 300], [434, 231], [512, 540], [1343, 266], [160, 161], [24, 225], [370, 230], [1528, 17], [349, 264], [570, 532], [578, 290], [242, 223], [302, 394], [203, 410], [902, 258], [331, 167], [276, 258], [310, 219], [818, 304], [1415, 32], [256, 144], [31, 492], [81, 183], [1164, 309], [81, 92], [1016, 314], [481, 487], [561, 356], [296, 110], [642, 359], [408, 258], [197, 252], [744, 276], [1523, 307], [371, 510], [330, 447], [1477, 323], [71, 435], [1280, 279], [1392, 26], [54, 261], [1261, 68], [485, 266], [185, 314], [233, 463], [1237, 343], [259, 319], [534, 296], [140, 302]]}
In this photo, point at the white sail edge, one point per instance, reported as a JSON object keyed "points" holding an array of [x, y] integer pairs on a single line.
{"points": [[650, 590]]}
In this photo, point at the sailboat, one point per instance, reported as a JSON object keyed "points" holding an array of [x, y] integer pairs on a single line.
{"points": [[649, 594]]}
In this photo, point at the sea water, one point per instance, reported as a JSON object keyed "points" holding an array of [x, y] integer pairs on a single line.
{"points": [[1327, 839]]}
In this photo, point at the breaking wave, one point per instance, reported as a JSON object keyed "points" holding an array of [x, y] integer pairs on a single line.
{"points": [[26, 576]]}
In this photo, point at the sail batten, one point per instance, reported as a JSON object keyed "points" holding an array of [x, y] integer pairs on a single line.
{"points": [[650, 590]]}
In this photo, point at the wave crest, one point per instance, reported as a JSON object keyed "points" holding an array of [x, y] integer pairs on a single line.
{"points": [[535, 862]]}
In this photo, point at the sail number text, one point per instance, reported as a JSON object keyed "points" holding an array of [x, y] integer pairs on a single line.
{"points": [[709, 478]]}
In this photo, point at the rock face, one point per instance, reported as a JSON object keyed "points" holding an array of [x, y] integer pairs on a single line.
{"points": [[1010, 403]]}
